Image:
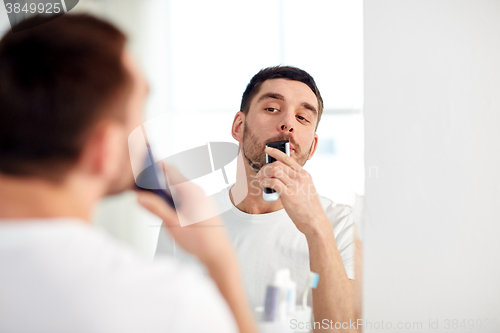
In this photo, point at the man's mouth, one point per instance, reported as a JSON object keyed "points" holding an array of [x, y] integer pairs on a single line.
{"points": [[292, 148]]}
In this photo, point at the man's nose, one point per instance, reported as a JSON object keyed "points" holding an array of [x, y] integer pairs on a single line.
{"points": [[286, 124]]}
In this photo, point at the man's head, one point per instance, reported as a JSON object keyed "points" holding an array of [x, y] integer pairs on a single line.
{"points": [[69, 95], [279, 103], [279, 72]]}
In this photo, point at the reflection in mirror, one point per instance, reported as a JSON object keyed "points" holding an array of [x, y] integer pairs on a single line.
{"points": [[323, 38], [199, 65]]}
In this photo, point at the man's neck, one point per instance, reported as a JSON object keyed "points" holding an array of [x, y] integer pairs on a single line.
{"points": [[252, 203], [23, 197]]}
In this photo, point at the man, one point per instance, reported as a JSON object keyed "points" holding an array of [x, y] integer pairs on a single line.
{"points": [[70, 94], [302, 230]]}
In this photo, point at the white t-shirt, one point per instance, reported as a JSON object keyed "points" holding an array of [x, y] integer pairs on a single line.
{"points": [[266, 243], [62, 275]]}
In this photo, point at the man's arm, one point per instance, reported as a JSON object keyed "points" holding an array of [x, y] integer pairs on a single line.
{"points": [[208, 241], [358, 274], [333, 299]]}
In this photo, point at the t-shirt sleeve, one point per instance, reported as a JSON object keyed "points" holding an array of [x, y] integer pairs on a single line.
{"points": [[342, 220]]}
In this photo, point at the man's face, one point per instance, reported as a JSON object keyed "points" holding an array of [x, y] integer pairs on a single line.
{"points": [[282, 110], [134, 110]]}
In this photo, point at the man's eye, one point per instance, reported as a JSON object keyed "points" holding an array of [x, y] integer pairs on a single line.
{"points": [[302, 118], [272, 109]]}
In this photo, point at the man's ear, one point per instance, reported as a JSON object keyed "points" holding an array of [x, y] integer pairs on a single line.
{"points": [[238, 128], [102, 154], [314, 146]]}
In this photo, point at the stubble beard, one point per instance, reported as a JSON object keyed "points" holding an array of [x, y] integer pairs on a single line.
{"points": [[253, 149]]}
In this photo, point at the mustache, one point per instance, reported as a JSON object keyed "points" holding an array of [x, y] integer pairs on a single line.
{"points": [[282, 137]]}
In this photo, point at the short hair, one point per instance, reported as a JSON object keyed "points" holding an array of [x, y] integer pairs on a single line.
{"points": [[279, 72], [57, 81]]}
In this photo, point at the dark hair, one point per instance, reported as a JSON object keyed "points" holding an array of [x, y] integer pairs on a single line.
{"points": [[279, 72], [57, 81]]}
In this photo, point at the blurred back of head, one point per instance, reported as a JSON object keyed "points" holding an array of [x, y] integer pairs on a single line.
{"points": [[58, 80]]}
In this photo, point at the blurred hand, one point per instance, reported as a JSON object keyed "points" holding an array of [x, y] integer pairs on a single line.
{"points": [[204, 238]]}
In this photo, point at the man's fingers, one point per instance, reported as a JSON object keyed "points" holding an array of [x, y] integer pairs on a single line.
{"points": [[281, 175], [156, 205], [281, 156], [173, 175], [275, 184], [277, 170]]}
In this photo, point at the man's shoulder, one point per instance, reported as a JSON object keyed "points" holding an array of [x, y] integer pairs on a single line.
{"points": [[57, 256], [221, 200], [336, 212], [333, 210]]}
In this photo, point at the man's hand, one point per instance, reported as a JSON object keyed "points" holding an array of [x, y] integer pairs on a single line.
{"points": [[296, 189], [206, 239]]}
